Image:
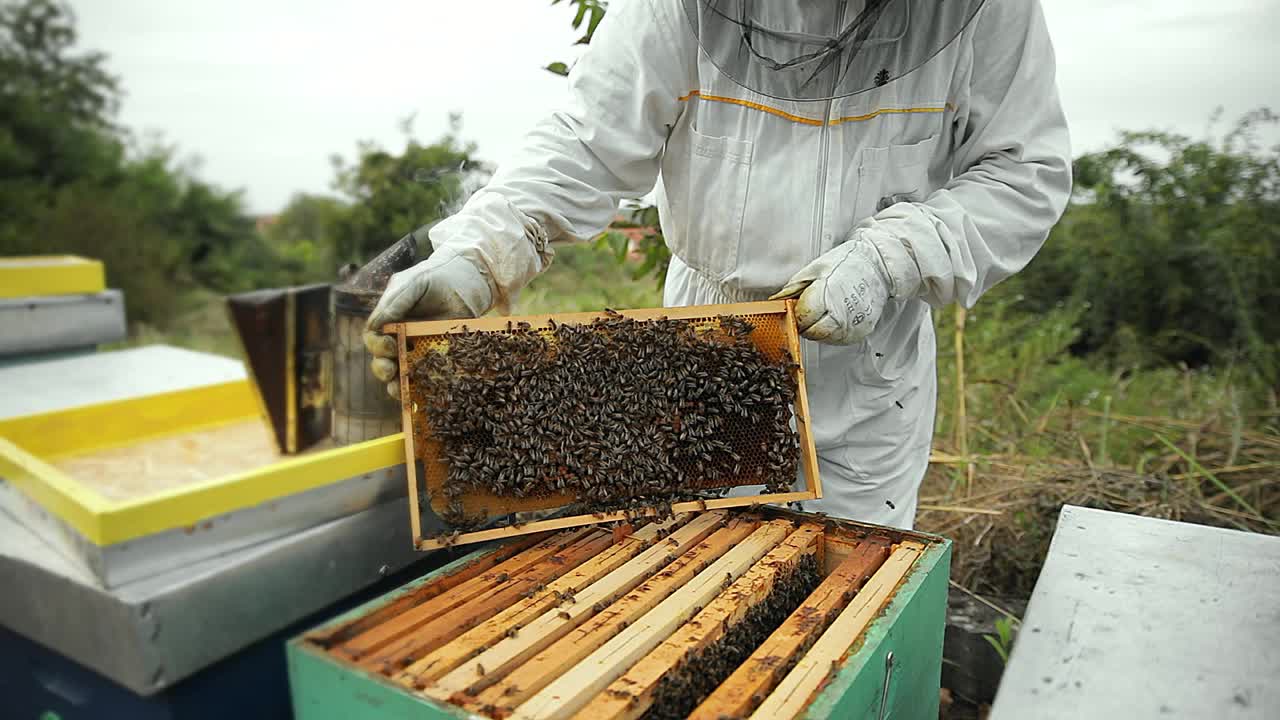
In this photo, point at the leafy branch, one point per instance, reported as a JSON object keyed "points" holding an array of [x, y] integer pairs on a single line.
{"points": [[590, 12]]}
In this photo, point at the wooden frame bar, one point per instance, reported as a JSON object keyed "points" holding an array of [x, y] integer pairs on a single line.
{"points": [[533, 675], [570, 692], [808, 451], [477, 640], [631, 695], [554, 624], [443, 628], [792, 695], [410, 456], [579, 520], [346, 631], [739, 695], [538, 322], [358, 647]]}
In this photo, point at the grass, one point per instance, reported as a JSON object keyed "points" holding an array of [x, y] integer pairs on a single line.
{"points": [[1043, 428], [200, 323]]}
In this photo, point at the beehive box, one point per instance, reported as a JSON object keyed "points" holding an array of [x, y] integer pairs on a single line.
{"points": [[760, 613], [597, 416], [160, 458]]}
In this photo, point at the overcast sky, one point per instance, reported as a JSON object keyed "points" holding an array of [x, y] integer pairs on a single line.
{"points": [[264, 91]]}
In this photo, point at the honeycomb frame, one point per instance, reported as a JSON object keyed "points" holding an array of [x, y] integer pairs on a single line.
{"points": [[781, 335]]}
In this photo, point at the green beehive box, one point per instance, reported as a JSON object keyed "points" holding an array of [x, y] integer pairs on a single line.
{"points": [[590, 622]]}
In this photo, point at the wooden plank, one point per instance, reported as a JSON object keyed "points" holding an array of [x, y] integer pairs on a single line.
{"points": [[840, 541], [571, 691], [443, 327], [474, 641], [754, 679], [798, 687], [631, 695], [836, 550], [579, 520], [403, 651], [329, 636], [540, 670], [410, 455], [808, 448], [374, 638], [554, 624]]}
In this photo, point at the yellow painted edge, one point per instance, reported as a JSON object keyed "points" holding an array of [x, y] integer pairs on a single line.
{"points": [[188, 505], [78, 506], [74, 278], [72, 431], [699, 95]]}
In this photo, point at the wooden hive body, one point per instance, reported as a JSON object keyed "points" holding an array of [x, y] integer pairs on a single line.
{"points": [[721, 614]]}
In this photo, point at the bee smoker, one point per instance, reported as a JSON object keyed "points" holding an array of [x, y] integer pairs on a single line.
{"points": [[362, 410]]}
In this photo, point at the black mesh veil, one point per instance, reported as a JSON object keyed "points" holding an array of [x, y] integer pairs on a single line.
{"points": [[823, 49]]}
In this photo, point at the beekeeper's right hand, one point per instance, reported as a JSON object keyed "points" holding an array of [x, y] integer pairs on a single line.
{"points": [[445, 286]]}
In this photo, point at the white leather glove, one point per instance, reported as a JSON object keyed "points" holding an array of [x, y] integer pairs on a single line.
{"points": [[843, 292], [445, 286]]}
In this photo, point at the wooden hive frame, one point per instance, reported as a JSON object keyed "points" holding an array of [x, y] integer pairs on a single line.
{"points": [[407, 332], [599, 632]]}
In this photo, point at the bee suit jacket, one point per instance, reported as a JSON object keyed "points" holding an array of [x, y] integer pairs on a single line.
{"points": [[965, 160]]}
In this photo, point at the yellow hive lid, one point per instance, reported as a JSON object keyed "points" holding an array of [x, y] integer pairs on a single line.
{"points": [[37, 275]]}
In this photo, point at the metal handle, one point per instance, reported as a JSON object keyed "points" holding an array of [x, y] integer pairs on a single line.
{"points": [[884, 693]]}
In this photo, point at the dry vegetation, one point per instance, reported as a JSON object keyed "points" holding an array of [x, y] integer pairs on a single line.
{"points": [[1039, 428]]}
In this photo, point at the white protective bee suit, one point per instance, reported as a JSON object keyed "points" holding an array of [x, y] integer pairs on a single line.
{"points": [[954, 170]]}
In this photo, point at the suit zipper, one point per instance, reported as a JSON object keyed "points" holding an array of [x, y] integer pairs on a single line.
{"points": [[824, 151], [810, 356], [820, 202]]}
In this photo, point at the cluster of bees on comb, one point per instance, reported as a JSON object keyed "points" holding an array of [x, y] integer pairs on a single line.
{"points": [[686, 686], [617, 412]]}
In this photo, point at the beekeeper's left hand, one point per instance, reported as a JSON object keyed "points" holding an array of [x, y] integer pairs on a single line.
{"points": [[843, 292]]}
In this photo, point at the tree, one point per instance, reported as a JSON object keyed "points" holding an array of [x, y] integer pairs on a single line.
{"points": [[56, 109], [72, 181], [303, 235], [1174, 244], [391, 195]]}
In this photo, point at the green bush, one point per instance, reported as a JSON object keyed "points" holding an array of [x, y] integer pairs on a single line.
{"points": [[1172, 248]]}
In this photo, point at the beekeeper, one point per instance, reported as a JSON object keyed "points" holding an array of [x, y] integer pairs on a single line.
{"points": [[878, 159]]}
